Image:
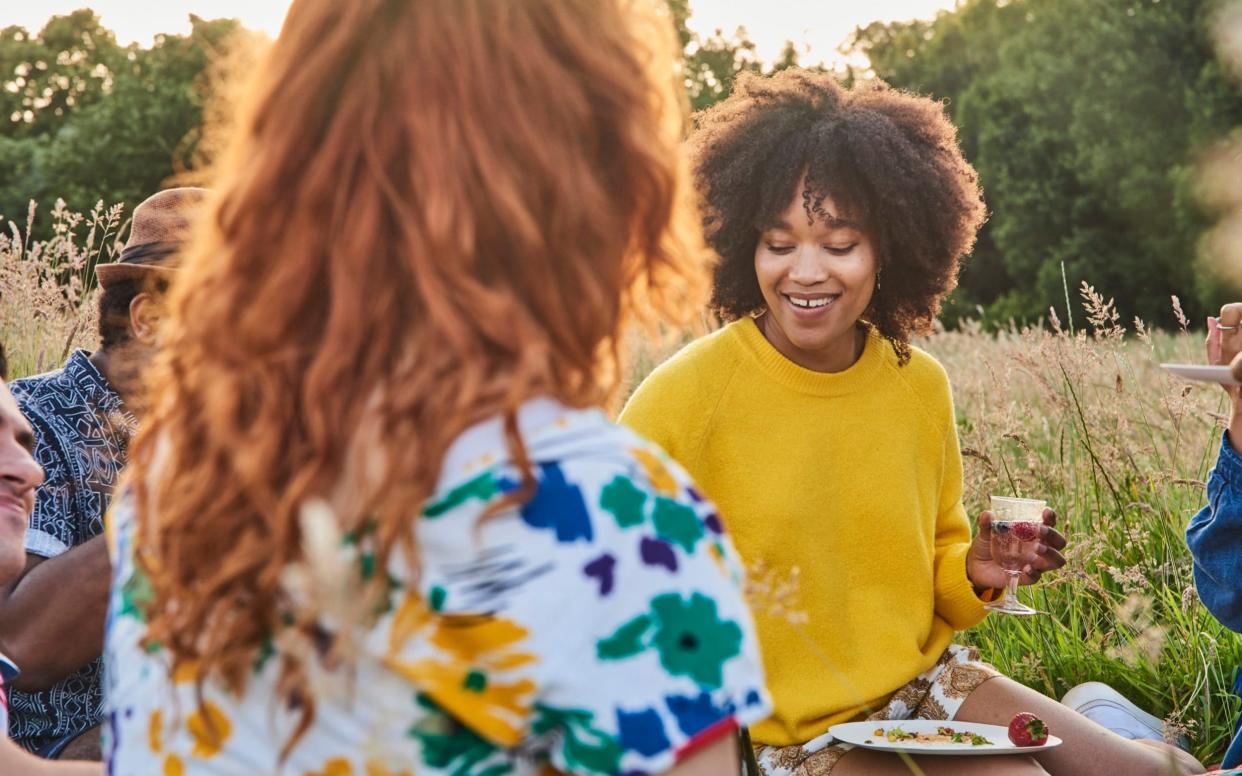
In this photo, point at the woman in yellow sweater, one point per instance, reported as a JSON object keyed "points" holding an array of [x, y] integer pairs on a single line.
{"points": [[829, 442]]}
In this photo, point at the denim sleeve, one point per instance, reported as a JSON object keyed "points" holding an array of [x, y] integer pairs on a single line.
{"points": [[1215, 539]]}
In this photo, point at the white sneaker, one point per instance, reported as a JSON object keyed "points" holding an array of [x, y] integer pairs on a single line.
{"points": [[1108, 708]]}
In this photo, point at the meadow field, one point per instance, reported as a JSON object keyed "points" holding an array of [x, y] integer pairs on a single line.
{"points": [[1076, 412]]}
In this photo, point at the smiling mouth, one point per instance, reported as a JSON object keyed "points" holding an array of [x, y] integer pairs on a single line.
{"points": [[812, 303], [13, 510]]}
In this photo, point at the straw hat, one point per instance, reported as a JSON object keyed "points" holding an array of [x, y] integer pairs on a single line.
{"points": [[160, 228]]}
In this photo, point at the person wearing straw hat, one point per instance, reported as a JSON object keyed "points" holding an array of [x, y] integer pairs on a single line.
{"points": [[84, 415]]}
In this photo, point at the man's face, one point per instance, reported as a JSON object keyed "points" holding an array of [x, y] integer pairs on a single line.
{"points": [[20, 474]]}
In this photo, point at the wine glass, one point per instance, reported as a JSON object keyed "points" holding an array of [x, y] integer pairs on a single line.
{"points": [[1015, 532]]}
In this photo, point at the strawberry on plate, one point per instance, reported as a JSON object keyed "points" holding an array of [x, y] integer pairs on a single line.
{"points": [[1026, 729]]}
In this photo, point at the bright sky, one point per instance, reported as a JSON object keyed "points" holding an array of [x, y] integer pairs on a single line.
{"points": [[820, 24]]}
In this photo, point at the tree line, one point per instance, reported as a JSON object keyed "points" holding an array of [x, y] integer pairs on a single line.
{"points": [[1085, 118]]}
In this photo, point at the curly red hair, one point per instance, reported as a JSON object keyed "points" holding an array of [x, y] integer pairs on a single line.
{"points": [[432, 212]]}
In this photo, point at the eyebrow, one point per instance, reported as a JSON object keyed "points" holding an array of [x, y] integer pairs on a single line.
{"points": [[832, 222], [22, 432]]}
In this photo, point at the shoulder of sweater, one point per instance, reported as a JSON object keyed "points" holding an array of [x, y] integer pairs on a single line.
{"points": [[675, 401], [696, 366], [928, 383], [925, 370]]}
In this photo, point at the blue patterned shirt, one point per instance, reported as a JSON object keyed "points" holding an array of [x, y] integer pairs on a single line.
{"points": [[83, 432], [7, 673]]}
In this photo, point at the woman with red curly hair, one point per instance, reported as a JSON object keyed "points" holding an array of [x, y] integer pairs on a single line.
{"points": [[829, 441], [377, 523]]}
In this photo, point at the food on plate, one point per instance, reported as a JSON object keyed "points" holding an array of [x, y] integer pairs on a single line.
{"points": [[1026, 729], [943, 735]]}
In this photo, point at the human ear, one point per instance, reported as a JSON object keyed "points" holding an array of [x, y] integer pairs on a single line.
{"points": [[145, 313]]}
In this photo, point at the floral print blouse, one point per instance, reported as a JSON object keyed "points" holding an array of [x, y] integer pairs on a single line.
{"points": [[598, 628]]}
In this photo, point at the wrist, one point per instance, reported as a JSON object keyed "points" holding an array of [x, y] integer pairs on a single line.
{"points": [[1235, 426], [970, 578]]}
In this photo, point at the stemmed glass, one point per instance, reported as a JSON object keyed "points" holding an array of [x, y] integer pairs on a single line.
{"points": [[1015, 532]]}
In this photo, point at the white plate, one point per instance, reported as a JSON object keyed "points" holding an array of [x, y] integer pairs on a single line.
{"points": [[863, 734], [1204, 372]]}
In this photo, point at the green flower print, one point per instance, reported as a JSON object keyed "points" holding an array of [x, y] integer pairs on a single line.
{"points": [[136, 594], [267, 650], [677, 523], [483, 488], [693, 641], [691, 638], [585, 747], [674, 522], [627, 641], [447, 744], [624, 500]]}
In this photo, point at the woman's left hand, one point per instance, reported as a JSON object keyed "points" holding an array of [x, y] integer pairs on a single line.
{"points": [[984, 572]]}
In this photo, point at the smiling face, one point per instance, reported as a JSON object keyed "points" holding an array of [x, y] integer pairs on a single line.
{"points": [[20, 474], [817, 279]]}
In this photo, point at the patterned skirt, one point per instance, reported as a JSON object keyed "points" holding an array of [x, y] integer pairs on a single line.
{"points": [[937, 693]]}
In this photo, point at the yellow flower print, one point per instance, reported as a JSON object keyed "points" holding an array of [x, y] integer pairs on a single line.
{"points": [[154, 730], [495, 710], [661, 479], [717, 554], [173, 766], [410, 618], [470, 678], [186, 672], [482, 640], [337, 766], [210, 729], [377, 768]]}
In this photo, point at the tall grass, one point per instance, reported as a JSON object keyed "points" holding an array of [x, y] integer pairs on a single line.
{"points": [[1088, 421], [47, 295], [1078, 413]]}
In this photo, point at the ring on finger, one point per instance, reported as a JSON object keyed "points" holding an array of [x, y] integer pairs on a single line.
{"points": [[1223, 327]]}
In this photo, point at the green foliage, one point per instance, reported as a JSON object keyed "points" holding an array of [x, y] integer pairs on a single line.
{"points": [[1085, 119], [1121, 450], [85, 119], [1089, 422], [714, 62], [66, 67], [95, 121]]}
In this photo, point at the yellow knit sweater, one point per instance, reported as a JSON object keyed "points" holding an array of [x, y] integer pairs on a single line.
{"points": [[854, 480]]}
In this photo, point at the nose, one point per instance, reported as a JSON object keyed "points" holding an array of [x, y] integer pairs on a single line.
{"points": [[18, 468], [809, 267]]}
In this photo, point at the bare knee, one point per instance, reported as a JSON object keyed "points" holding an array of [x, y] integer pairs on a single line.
{"points": [[1029, 766], [1180, 762], [1009, 765]]}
